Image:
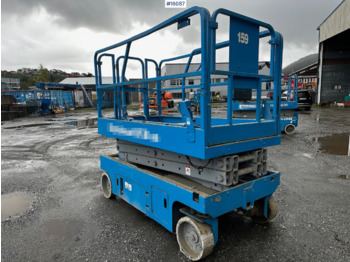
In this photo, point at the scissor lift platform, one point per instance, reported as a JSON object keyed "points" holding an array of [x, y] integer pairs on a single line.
{"points": [[156, 169], [175, 135]]}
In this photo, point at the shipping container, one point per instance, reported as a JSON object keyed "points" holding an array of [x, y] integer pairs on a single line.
{"points": [[56, 98], [20, 96], [78, 98], [68, 99], [107, 99], [86, 100], [45, 97]]}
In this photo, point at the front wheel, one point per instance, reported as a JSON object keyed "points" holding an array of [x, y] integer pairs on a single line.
{"points": [[196, 240]]}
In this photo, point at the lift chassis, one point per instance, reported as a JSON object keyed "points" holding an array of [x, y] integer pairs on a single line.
{"points": [[185, 171], [172, 200]]}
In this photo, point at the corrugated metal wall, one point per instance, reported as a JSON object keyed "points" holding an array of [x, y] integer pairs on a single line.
{"points": [[107, 99], [67, 97], [335, 83]]}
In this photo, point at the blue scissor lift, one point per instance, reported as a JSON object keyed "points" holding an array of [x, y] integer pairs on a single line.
{"points": [[289, 105], [185, 171]]}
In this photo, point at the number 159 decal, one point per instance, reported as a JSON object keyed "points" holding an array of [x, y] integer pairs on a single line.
{"points": [[243, 38]]}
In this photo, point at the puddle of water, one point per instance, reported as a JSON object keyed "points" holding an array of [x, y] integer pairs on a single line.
{"points": [[337, 144], [57, 228], [29, 125], [310, 156], [83, 122], [15, 203], [61, 118], [307, 155]]}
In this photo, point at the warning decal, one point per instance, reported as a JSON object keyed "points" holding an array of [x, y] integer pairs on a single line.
{"points": [[188, 170]]}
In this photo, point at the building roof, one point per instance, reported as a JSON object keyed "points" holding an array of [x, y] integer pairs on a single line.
{"points": [[337, 22], [302, 65], [330, 14]]}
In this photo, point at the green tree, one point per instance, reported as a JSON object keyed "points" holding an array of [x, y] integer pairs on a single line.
{"points": [[56, 78], [43, 76], [24, 81]]}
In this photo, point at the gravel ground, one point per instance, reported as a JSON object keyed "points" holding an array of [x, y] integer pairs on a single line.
{"points": [[68, 219]]}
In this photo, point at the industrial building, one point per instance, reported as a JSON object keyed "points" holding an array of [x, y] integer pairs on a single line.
{"points": [[221, 90], [90, 83], [306, 70], [170, 69], [334, 56]]}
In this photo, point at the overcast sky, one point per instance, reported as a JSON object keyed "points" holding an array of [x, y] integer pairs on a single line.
{"points": [[64, 34]]}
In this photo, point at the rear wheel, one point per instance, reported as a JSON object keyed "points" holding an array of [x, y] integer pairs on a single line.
{"points": [[289, 129], [257, 213], [196, 240], [106, 186]]}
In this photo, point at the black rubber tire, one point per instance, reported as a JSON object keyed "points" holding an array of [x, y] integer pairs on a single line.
{"points": [[271, 213]]}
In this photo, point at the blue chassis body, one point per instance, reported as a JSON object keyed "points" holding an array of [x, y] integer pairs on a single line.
{"points": [[159, 197]]}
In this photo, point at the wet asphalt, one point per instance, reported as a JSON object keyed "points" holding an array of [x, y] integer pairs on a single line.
{"points": [[68, 219]]}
